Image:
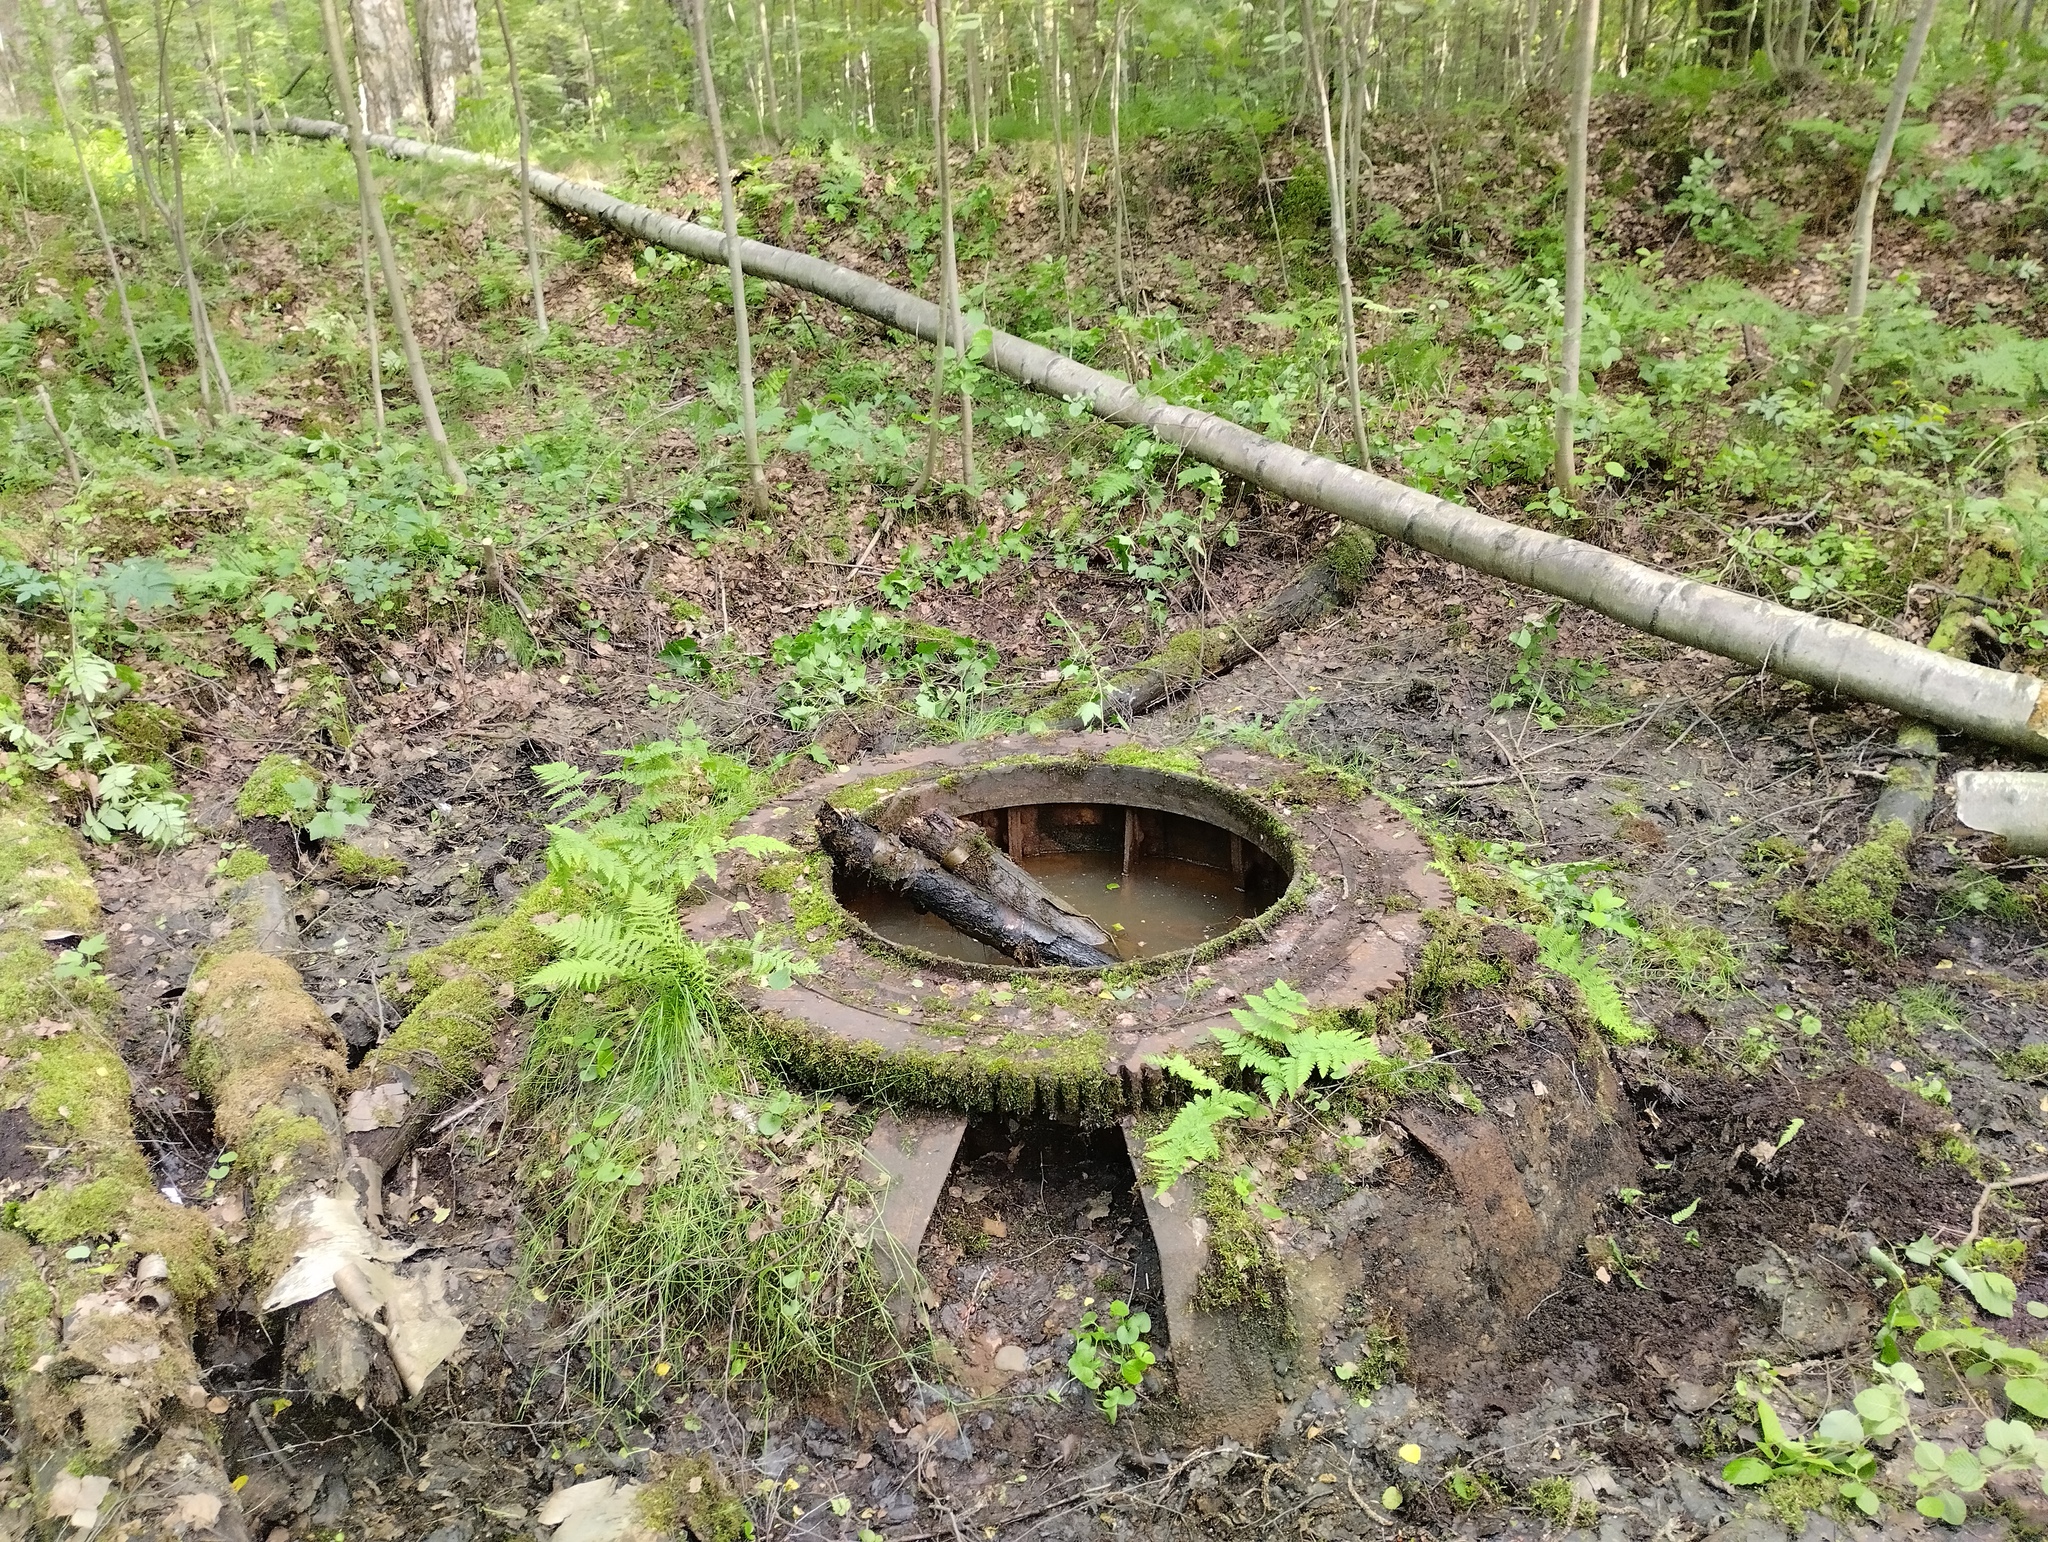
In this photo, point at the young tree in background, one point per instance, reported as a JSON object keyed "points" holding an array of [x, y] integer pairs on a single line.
{"points": [[1866, 206], [213, 373], [1564, 471], [700, 36], [387, 258], [99, 225], [1340, 197], [540, 302], [951, 314]]}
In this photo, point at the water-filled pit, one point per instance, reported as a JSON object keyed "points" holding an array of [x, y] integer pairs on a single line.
{"points": [[1157, 881]]}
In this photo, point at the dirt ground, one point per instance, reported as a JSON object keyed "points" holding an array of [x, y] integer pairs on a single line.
{"points": [[1669, 772]]}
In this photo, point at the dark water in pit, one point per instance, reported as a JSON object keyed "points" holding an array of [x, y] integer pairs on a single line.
{"points": [[1162, 904]]}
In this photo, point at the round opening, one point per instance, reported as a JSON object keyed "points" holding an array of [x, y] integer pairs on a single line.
{"points": [[1160, 861]]}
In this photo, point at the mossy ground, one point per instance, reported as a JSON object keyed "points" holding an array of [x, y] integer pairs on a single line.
{"points": [[355, 865], [243, 863], [693, 1499], [1858, 898], [263, 794]]}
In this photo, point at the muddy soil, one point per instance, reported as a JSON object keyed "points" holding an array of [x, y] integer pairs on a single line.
{"points": [[1670, 770]]}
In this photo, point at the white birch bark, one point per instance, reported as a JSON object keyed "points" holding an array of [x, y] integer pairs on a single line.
{"points": [[1832, 656]]}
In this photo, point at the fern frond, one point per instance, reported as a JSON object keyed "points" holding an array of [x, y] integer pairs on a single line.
{"points": [[1189, 1072], [1562, 952], [572, 854], [1191, 1138]]}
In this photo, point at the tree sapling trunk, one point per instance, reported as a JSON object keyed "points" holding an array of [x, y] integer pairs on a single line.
{"points": [[1340, 242], [1564, 471], [387, 258], [1866, 207], [540, 303], [700, 34]]}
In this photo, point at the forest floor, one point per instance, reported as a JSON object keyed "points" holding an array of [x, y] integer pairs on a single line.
{"points": [[1888, 1077]]}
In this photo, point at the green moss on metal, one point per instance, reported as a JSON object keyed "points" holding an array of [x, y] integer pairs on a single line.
{"points": [[1061, 1077], [1184, 762], [1241, 1274]]}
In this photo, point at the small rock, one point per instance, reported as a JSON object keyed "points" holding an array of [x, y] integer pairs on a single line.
{"points": [[1012, 1358]]}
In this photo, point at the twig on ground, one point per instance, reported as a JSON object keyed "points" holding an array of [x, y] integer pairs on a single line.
{"points": [[1514, 765], [1996, 1184]]}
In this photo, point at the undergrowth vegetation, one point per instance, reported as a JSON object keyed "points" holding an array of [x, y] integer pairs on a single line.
{"points": [[699, 1214]]}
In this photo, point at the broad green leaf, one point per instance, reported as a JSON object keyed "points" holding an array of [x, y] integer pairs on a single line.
{"points": [[1964, 1470], [2029, 1393], [1748, 1471], [1840, 1427]]}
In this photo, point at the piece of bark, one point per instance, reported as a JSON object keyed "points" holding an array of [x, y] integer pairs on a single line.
{"points": [[889, 863], [1190, 657], [965, 851]]}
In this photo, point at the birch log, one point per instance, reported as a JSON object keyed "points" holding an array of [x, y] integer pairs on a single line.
{"points": [[1836, 656]]}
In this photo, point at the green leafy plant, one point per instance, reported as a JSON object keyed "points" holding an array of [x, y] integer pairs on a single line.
{"points": [[1111, 1356], [342, 809], [1764, 233], [1279, 1041], [1540, 680]]}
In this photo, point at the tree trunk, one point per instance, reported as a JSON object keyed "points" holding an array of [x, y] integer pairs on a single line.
{"points": [[1833, 656], [768, 69], [213, 373], [540, 302], [1340, 241], [130, 113], [965, 850], [700, 33], [389, 62], [451, 56], [1202, 652], [949, 269], [886, 862], [387, 258], [99, 225], [1563, 471], [1866, 206]]}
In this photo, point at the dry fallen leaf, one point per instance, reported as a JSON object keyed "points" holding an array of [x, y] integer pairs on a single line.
{"points": [[994, 1226]]}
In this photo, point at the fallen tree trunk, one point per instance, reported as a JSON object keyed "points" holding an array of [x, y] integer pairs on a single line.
{"points": [[99, 1273], [964, 850], [886, 862], [269, 1062], [1830, 655], [1190, 657]]}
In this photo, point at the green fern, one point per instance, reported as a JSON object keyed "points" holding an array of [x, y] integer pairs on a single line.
{"points": [[1191, 1138], [1563, 952], [1272, 1042]]}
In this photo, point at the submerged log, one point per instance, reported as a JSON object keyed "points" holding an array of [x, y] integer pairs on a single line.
{"points": [[965, 851], [1189, 657], [889, 863]]}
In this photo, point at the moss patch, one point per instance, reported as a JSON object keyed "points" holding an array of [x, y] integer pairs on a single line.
{"points": [[263, 794], [241, 864], [27, 1307], [694, 1499], [1349, 557], [255, 1034], [149, 732], [1184, 761], [445, 1040], [1241, 1274], [355, 865], [1859, 895], [318, 694]]}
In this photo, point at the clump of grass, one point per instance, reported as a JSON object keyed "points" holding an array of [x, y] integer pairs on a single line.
{"points": [[681, 1203], [1698, 959], [1553, 1497]]}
